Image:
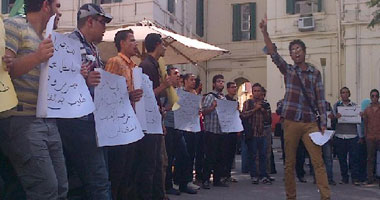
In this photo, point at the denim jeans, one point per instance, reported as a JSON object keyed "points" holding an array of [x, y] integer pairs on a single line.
{"points": [[244, 156], [257, 145], [12, 187], [86, 159], [34, 148], [350, 147]]}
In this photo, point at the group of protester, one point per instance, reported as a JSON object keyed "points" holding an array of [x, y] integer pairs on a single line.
{"points": [[47, 158], [42, 157]]}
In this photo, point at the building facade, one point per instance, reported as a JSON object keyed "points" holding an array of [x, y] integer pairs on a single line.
{"points": [[338, 41]]}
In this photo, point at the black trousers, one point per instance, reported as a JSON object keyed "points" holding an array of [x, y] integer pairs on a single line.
{"points": [[176, 150], [214, 160], [149, 174], [120, 162], [229, 151]]}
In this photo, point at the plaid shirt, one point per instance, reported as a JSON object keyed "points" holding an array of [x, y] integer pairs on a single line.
{"points": [[295, 107], [256, 119], [211, 120]]}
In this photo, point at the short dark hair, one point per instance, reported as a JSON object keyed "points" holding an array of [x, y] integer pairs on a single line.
{"points": [[299, 42], [229, 84], [216, 77], [344, 88], [169, 69], [374, 90], [120, 36], [34, 5], [256, 85], [263, 89], [197, 82], [151, 41], [187, 76]]}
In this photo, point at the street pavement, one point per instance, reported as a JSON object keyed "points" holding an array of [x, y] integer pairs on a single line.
{"points": [[245, 190]]}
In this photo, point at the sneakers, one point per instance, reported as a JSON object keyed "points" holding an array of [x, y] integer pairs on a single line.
{"points": [[302, 179], [356, 182], [344, 181], [332, 182], [231, 179], [255, 180], [266, 181], [206, 185], [271, 178], [187, 190], [191, 185], [175, 186], [220, 184], [173, 191]]}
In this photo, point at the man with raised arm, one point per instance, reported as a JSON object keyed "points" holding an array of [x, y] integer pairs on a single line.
{"points": [[299, 111]]}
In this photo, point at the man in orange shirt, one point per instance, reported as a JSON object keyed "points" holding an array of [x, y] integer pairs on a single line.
{"points": [[121, 158]]}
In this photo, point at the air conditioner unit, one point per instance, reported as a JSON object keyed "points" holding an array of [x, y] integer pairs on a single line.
{"points": [[306, 23]]}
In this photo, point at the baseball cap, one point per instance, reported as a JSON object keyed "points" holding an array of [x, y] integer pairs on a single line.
{"points": [[90, 9]]}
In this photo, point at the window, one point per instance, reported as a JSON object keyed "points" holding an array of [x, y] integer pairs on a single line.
{"points": [[200, 18], [303, 6], [6, 6], [105, 1], [244, 22], [171, 6]]}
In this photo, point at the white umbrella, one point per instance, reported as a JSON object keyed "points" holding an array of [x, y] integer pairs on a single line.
{"points": [[180, 49]]}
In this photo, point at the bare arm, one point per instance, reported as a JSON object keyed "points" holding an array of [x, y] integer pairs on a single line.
{"points": [[24, 64], [271, 48], [267, 40]]}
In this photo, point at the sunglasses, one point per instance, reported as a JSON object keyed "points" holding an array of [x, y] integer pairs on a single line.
{"points": [[374, 96]]}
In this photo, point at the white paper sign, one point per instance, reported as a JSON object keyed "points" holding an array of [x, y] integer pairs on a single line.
{"points": [[115, 119], [320, 139], [44, 73], [140, 105], [350, 114], [228, 116], [186, 118], [328, 119], [67, 93], [152, 112]]}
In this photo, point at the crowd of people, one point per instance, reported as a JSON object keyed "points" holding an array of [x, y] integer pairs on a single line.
{"points": [[43, 158]]}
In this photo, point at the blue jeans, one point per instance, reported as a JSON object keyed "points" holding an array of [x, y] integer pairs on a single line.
{"points": [[86, 159], [350, 147], [244, 155], [257, 145], [34, 148]]}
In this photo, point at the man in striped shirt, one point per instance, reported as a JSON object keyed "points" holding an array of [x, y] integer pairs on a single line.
{"points": [[300, 118], [32, 144]]}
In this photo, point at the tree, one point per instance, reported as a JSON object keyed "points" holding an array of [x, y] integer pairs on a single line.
{"points": [[376, 14]]}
